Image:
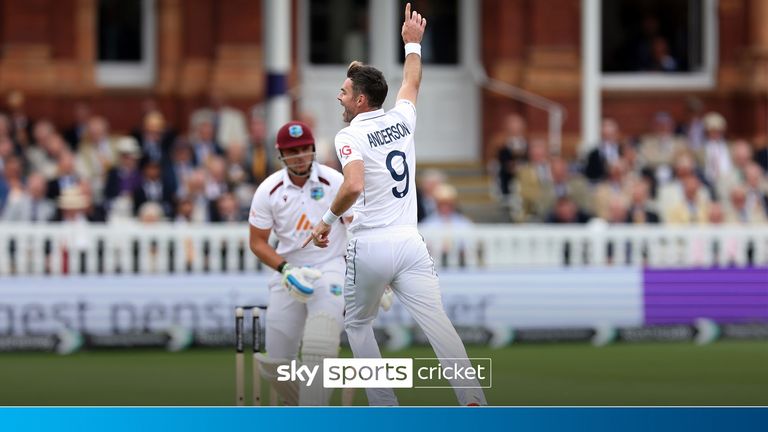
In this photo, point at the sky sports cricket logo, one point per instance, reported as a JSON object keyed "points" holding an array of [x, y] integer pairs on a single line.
{"points": [[392, 373]]}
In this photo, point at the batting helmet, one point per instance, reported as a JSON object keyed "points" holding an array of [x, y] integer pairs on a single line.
{"points": [[294, 134]]}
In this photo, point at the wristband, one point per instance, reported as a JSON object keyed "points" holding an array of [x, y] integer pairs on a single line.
{"points": [[281, 266], [329, 218], [412, 47]]}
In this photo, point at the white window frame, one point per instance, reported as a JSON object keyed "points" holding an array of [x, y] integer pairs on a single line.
{"points": [[701, 80], [134, 74]]}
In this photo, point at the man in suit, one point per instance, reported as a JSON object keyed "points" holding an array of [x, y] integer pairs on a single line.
{"points": [[33, 205], [607, 151]]}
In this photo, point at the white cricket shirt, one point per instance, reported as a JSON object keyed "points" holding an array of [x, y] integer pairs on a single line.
{"points": [[384, 142], [291, 212]]}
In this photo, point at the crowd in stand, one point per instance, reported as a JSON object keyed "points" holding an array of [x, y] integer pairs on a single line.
{"points": [[154, 173], [688, 173]]}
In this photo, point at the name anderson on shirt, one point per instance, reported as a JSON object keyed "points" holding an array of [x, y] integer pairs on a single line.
{"points": [[388, 135]]}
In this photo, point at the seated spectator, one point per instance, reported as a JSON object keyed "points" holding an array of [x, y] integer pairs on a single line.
{"points": [[153, 189], [216, 178], [511, 151], [19, 122], [756, 184], [671, 192], [715, 156], [618, 184], [76, 132], [155, 138], [741, 156], [566, 211], [151, 213], [239, 177], [607, 151], [194, 191], [693, 208], [228, 210], [640, 210], [446, 215], [657, 150], [425, 190], [11, 181], [66, 176], [32, 205], [533, 178], [124, 179], [202, 139], [743, 211], [96, 154], [182, 164]]}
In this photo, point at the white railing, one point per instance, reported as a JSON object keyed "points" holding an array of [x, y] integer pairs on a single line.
{"points": [[167, 248]]}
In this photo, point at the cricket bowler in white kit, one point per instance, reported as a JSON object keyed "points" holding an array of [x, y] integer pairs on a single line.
{"points": [[377, 152], [305, 294]]}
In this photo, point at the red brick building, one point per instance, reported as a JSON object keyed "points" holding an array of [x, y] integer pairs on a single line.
{"points": [[50, 49]]}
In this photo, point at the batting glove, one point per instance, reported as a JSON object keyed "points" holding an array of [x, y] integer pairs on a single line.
{"points": [[298, 281]]}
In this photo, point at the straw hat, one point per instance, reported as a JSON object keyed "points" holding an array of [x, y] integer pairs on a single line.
{"points": [[714, 121], [73, 199], [445, 193], [128, 145]]}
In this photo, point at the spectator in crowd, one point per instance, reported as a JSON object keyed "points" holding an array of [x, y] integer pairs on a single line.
{"points": [[511, 150], [238, 176], [75, 133], [618, 184], [693, 128], [19, 122], [565, 182], [616, 210], [425, 190], [261, 163], [533, 178], [202, 139], [66, 177], [150, 213], [182, 164], [658, 148], [227, 123], [663, 61], [155, 138], [566, 211], [756, 184], [693, 208], [194, 191], [11, 181], [216, 178], [715, 156], [44, 157], [153, 189], [640, 210], [227, 209], [32, 205], [96, 154], [607, 151], [446, 214], [672, 192], [36, 155], [124, 179], [740, 210], [741, 157]]}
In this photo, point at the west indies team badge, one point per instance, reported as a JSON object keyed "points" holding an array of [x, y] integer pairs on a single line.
{"points": [[317, 193]]}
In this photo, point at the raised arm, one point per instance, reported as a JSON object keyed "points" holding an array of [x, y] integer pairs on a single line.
{"points": [[413, 31]]}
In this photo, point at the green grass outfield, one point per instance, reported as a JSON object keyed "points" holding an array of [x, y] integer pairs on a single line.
{"points": [[724, 373]]}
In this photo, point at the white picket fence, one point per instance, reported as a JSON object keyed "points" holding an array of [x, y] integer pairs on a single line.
{"points": [[134, 249]]}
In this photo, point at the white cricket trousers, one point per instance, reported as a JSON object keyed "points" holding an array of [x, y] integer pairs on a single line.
{"points": [[397, 256]]}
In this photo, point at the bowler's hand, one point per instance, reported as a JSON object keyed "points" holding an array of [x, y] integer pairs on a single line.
{"points": [[413, 26], [319, 235]]}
